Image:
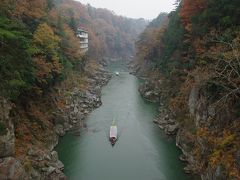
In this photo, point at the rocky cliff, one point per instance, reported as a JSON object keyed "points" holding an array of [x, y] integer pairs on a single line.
{"points": [[29, 133], [10, 167], [206, 133]]}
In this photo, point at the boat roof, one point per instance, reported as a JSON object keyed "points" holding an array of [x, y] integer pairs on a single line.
{"points": [[113, 131]]}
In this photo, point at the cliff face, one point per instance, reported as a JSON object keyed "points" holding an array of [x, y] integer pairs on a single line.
{"points": [[29, 133], [10, 167], [193, 61], [210, 140], [7, 137], [207, 136]]}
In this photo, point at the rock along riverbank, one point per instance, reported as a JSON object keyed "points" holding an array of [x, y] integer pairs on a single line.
{"points": [[167, 122], [39, 160]]}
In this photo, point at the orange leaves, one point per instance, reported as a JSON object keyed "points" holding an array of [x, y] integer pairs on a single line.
{"points": [[57, 67], [224, 153], [34, 9], [178, 104], [150, 44], [44, 70], [189, 9], [223, 145]]}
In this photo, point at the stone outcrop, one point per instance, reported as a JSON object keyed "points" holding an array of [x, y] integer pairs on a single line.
{"points": [[149, 91], [44, 164], [166, 121], [7, 137], [79, 103]]}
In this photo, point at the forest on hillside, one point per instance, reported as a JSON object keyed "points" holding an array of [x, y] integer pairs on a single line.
{"points": [[43, 72], [193, 57], [190, 57], [38, 44]]}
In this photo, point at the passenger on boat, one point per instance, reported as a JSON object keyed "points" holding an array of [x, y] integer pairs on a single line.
{"points": [[113, 140]]}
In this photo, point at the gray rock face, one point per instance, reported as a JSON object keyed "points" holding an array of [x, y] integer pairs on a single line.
{"points": [[184, 143], [7, 142], [172, 129], [165, 122], [48, 170], [11, 168], [45, 165], [81, 102], [218, 174], [54, 156], [149, 92], [7, 137], [201, 113], [59, 165], [59, 129], [192, 101], [42, 162]]}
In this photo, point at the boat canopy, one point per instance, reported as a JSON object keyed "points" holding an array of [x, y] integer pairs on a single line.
{"points": [[113, 132]]}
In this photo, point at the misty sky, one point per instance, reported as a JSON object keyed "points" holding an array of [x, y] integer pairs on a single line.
{"points": [[148, 9]]}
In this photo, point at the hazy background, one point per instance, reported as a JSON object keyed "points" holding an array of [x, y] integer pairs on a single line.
{"points": [[148, 9]]}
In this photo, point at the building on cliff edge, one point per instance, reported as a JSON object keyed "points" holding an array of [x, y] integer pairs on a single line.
{"points": [[83, 37]]}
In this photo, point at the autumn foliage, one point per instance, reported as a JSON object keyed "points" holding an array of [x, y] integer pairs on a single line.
{"points": [[197, 56], [31, 9], [44, 32], [190, 9], [45, 54]]}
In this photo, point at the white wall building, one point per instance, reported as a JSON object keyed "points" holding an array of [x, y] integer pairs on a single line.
{"points": [[83, 37]]}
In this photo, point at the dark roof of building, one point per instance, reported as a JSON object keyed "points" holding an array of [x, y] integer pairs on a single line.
{"points": [[82, 30]]}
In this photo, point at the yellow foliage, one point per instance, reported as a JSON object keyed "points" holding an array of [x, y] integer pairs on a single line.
{"points": [[46, 57]]}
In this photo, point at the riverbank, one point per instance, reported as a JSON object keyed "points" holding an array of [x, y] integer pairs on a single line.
{"points": [[194, 124], [32, 131], [142, 151], [152, 90]]}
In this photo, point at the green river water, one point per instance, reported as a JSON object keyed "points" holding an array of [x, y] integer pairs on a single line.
{"points": [[142, 152]]}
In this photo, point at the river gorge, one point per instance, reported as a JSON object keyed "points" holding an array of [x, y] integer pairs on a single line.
{"points": [[142, 152]]}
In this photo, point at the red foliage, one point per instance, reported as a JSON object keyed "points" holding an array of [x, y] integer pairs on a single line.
{"points": [[189, 9]]}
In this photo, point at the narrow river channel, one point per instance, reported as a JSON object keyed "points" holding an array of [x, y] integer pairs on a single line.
{"points": [[142, 152]]}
